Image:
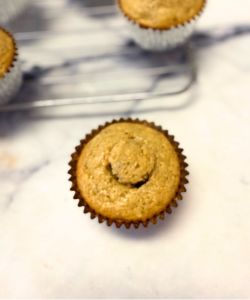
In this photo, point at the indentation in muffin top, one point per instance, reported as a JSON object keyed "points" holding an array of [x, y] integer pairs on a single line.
{"points": [[128, 171]]}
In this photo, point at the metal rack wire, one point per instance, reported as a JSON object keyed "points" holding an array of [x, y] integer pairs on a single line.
{"points": [[92, 61]]}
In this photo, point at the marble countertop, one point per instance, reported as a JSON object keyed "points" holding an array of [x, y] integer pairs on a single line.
{"points": [[49, 248]]}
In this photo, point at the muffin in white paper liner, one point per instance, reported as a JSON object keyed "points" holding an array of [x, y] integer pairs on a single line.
{"points": [[160, 39], [10, 84], [11, 81], [9, 9]]}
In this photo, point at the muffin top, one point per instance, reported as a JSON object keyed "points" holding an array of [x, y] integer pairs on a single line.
{"points": [[161, 14], [128, 172], [7, 51]]}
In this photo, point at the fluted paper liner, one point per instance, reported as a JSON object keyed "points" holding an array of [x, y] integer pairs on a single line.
{"points": [[161, 39], [93, 214], [12, 79]]}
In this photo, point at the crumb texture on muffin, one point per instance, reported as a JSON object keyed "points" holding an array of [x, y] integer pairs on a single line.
{"points": [[128, 172], [161, 14], [7, 52]]}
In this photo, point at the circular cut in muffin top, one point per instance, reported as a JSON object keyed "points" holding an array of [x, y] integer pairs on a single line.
{"points": [[128, 172]]}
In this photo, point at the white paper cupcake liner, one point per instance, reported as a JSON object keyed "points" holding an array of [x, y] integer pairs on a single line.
{"points": [[162, 39], [11, 81], [9, 9]]}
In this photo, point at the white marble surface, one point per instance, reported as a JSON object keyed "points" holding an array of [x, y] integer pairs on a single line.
{"points": [[49, 249]]}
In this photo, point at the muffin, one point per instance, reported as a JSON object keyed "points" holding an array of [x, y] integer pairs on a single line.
{"points": [[9, 9], [128, 172], [10, 71], [161, 24]]}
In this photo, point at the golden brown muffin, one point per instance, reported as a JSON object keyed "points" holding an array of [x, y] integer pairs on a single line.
{"points": [[128, 172], [161, 14], [7, 52]]}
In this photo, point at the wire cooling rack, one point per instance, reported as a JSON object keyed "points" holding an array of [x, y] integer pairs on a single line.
{"points": [[78, 52]]}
